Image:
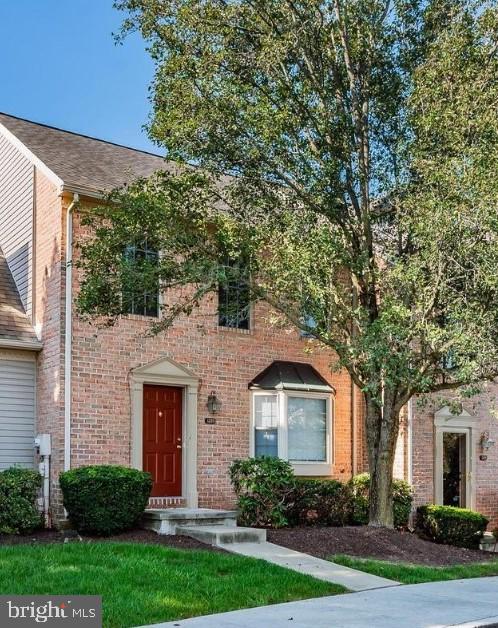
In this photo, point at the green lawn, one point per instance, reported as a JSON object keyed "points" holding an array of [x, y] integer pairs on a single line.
{"points": [[145, 584], [413, 574]]}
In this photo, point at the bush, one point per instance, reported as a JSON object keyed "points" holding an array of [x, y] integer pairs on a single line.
{"points": [[262, 486], [450, 525], [18, 492], [402, 500], [319, 502], [105, 499]]}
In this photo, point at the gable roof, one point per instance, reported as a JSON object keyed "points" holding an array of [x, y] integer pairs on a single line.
{"points": [[83, 164], [281, 375], [15, 326]]}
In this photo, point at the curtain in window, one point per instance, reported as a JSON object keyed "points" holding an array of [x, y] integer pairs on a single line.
{"points": [[307, 429]]}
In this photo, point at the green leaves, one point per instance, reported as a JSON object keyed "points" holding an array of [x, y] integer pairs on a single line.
{"points": [[362, 143]]}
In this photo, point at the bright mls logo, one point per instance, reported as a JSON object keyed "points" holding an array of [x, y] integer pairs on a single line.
{"points": [[77, 611]]}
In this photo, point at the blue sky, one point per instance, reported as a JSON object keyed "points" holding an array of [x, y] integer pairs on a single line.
{"points": [[59, 65]]}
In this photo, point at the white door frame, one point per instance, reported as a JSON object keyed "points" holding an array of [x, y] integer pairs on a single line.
{"points": [[167, 372], [464, 423]]}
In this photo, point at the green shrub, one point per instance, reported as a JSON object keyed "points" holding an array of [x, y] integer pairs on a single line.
{"points": [[105, 499], [402, 500], [262, 486], [18, 492], [450, 525], [319, 502]]}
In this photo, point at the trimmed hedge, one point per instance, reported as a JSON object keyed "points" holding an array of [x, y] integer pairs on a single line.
{"points": [[402, 500], [18, 492], [268, 494], [319, 502], [263, 486], [105, 499], [450, 525]]}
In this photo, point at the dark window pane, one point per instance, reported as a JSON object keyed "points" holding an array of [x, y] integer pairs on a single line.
{"points": [[152, 305], [266, 443], [233, 303], [136, 299]]}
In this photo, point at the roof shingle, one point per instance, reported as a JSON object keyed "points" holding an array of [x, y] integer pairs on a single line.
{"points": [[14, 322], [82, 162]]}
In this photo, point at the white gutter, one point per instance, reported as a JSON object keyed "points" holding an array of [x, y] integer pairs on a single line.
{"points": [[68, 340], [410, 442], [354, 428]]}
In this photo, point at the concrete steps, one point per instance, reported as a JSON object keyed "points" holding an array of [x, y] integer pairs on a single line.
{"points": [[488, 543], [168, 520], [214, 527], [223, 535]]}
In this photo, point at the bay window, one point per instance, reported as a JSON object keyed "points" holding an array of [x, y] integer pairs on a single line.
{"points": [[295, 426]]}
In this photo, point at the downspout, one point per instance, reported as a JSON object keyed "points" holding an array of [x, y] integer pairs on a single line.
{"points": [[354, 414], [410, 442], [354, 428], [68, 340]]}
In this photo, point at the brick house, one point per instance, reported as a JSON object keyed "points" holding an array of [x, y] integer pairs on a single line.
{"points": [[118, 396]]}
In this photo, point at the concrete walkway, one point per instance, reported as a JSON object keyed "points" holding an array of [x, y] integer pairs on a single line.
{"points": [[471, 603], [352, 579]]}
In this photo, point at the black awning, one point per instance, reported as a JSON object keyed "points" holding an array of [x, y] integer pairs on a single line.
{"points": [[291, 376]]}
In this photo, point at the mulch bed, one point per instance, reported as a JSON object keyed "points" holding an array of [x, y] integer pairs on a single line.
{"points": [[380, 543], [360, 541], [133, 536]]}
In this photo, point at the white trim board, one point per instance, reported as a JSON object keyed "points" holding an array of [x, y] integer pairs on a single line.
{"points": [[23, 149], [463, 423]]}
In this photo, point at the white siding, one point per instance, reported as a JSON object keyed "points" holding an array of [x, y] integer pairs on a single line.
{"points": [[16, 216], [17, 412]]}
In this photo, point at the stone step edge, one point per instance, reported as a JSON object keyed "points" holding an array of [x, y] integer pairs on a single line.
{"points": [[223, 535], [187, 514]]}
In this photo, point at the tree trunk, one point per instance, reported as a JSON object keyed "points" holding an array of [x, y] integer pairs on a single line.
{"points": [[382, 433]]}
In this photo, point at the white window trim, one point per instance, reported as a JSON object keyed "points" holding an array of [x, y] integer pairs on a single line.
{"points": [[463, 423], [300, 468]]}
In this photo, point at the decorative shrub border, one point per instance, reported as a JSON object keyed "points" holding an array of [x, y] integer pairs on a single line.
{"points": [[269, 494]]}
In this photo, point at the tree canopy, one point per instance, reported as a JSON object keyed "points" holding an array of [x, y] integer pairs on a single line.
{"points": [[345, 152]]}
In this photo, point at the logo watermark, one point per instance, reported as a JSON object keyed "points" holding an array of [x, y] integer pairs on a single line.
{"points": [[77, 611]]}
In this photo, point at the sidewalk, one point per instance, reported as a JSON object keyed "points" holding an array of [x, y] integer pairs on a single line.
{"points": [[352, 579], [473, 602]]}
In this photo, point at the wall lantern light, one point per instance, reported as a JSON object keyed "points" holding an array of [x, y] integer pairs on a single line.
{"points": [[486, 442], [213, 403]]}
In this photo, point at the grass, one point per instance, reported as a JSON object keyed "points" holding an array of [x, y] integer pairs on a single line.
{"points": [[144, 584], [414, 574]]}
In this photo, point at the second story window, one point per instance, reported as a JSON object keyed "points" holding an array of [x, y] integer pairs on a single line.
{"points": [[141, 286], [233, 298], [309, 322]]}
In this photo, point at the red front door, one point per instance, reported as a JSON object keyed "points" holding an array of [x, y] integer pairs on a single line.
{"points": [[162, 439]]}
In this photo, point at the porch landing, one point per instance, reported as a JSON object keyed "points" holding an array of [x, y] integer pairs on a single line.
{"points": [[167, 520], [215, 527]]}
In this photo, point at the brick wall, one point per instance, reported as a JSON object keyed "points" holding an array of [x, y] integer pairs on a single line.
{"points": [[482, 408], [225, 361]]}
